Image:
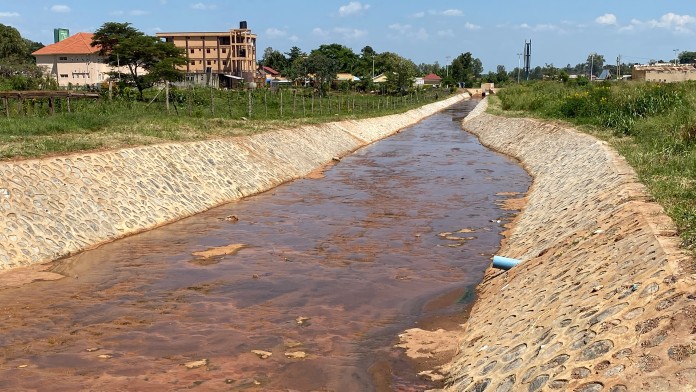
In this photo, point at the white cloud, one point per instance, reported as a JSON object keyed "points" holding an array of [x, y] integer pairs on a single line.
{"points": [[606, 19], [354, 7], [9, 14], [670, 21], [471, 26], [445, 33], [273, 32], [320, 32], [419, 14], [539, 27], [117, 13], [60, 8], [401, 29], [137, 13], [349, 33], [342, 32], [673, 22], [452, 13], [408, 31], [203, 7]]}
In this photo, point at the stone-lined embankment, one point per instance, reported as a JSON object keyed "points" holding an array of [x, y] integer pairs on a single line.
{"points": [[604, 300], [57, 206]]}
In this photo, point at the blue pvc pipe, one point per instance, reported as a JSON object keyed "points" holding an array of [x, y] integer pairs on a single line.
{"points": [[504, 263]]}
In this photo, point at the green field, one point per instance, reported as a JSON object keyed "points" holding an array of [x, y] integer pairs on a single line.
{"points": [[652, 125], [194, 114]]}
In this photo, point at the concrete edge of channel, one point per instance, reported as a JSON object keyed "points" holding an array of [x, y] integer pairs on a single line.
{"points": [[603, 300], [58, 206]]}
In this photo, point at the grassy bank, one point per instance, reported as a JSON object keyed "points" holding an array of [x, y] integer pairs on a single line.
{"points": [[194, 114], [652, 125]]}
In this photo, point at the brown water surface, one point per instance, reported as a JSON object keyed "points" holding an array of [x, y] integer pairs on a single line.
{"points": [[328, 268]]}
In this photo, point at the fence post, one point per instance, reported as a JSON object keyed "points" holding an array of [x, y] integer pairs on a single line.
{"points": [[6, 103]]}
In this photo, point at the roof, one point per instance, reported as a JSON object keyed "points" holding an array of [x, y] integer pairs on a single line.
{"points": [[80, 43], [345, 76], [270, 71], [431, 76]]}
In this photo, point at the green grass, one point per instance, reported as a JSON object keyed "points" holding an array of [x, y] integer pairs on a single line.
{"points": [[652, 125], [195, 114]]}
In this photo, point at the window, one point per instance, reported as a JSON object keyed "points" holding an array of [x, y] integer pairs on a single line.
{"points": [[193, 63], [224, 50], [63, 75], [207, 50], [224, 40], [191, 50], [224, 62], [63, 58], [209, 62]]}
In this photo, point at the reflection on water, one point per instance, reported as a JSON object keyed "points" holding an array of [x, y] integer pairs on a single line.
{"points": [[320, 273]]}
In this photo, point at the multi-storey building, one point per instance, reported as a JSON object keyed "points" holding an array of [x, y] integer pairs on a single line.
{"points": [[217, 58]]}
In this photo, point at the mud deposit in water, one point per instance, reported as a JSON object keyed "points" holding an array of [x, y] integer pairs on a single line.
{"points": [[305, 287]]}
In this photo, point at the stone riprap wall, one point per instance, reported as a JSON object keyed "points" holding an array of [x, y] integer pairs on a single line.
{"points": [[54, 207], [604, 299]]}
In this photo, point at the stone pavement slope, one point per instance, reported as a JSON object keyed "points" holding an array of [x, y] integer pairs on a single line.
{"points": [[604, 299], [58, 206]]}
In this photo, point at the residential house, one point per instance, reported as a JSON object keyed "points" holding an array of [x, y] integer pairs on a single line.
{"points": [[74, 62], [217, 58], [381, 78], [432, 80]]}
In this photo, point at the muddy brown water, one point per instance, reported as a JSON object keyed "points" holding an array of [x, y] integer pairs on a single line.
{"points": [[332, 267]]}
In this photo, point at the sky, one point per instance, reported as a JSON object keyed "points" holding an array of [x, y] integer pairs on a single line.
{"points": [[494, 31]]}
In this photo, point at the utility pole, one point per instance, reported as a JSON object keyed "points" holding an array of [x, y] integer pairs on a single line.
{"points": [[519, 65], [591, 66], [618, 67], [447, 66], [373, 66], [675, 55]]}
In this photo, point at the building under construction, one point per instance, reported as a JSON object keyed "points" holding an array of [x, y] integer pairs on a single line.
{"points": [[217, 59]]}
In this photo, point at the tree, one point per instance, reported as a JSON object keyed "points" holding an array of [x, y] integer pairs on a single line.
{"points": [[294, 54], [274, 59], [324, 69], [467, 69], [343, 56], [595, 63], [687, 57], [400, 72], [13, 48], [121, 44]]}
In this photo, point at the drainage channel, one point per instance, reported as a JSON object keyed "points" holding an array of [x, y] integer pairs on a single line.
{"points": [[304, 287]]}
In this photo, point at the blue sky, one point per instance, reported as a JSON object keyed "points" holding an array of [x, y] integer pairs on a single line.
{"points": [[424, 31]]}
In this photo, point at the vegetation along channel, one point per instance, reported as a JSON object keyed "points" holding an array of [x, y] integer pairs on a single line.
{"points": [[305, 287]]}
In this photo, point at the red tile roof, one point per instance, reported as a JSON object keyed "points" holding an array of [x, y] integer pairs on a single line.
{"points": [[79, 43], [431, 76], [271, 71]]}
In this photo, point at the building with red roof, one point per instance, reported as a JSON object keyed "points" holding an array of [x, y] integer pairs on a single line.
{"points": [[74, 61]]}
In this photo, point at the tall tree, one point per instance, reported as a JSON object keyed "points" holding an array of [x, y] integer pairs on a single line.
{"points": [[466, 68], [121, 44], [400, 72], [595, 63], [274, 59], [13, 48], [294, 54], [324, 69], [343, 56], [687, 57]]}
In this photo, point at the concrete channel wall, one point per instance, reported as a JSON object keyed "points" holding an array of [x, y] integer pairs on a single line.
{"points": [[604, 299], [53, 207]]}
